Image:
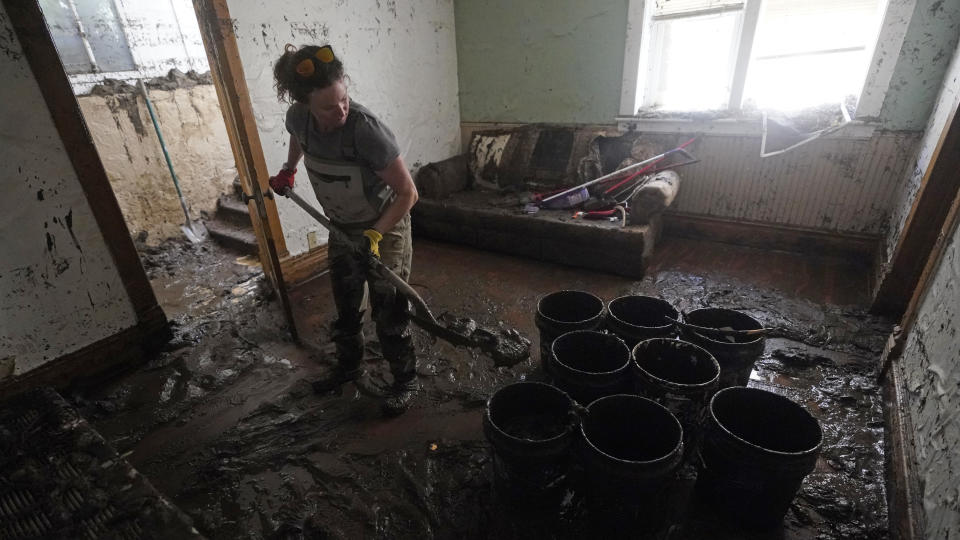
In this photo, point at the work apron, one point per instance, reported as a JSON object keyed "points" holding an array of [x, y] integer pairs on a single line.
{"points": [[349, 192]]}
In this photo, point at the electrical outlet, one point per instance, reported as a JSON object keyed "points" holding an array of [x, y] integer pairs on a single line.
{"points": [[312, 239]]}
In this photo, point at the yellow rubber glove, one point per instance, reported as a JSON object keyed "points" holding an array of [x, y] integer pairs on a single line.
{"points": [[373, 237]]}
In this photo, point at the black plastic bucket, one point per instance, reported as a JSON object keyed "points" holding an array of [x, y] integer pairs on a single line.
{"points": [[588, 365], [630, 448], [757, 449], [636, 318], [565, 311], [736, 355], [680, 376], [531, 426]]}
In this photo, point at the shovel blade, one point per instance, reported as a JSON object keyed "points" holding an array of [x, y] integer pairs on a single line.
{"points": [[195, 232]]}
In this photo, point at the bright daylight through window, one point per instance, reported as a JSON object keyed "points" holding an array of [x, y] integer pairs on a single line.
{"points": [[767, 54]]}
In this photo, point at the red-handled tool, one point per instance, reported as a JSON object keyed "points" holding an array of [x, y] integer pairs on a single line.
{"points": [[604, 214], [657, 159]]}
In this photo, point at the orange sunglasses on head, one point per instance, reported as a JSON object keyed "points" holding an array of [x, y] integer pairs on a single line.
{"points": [[307, 68]]}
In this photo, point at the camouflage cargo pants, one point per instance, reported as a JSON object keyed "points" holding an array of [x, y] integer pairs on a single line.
{"points": [[389, 309]]}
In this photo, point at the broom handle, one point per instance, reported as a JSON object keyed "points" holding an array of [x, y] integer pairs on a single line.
{"points": [[617, 174], [166, 155]]}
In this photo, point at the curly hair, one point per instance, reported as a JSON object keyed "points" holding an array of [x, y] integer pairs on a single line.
{"points": [[293, 86]]}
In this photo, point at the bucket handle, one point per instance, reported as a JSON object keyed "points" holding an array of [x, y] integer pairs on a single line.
{"points": [[720, 332], [578, 413]]}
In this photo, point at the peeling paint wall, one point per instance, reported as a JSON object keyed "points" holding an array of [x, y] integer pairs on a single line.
{"points": [[540, 60], [931, 360], [402, 64], [196, 138], [913, 51], [931, 368], [904, 197], [59, 287]]}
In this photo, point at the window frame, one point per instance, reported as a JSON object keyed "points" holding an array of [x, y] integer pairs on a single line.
{"points": [[95, 67], [637, 53]]}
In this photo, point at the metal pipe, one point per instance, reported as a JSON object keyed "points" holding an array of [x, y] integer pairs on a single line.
{"points": [[83, 37]]}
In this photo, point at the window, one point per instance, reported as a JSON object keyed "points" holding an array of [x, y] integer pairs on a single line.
{"points": [[88, 35], [780, 54]]}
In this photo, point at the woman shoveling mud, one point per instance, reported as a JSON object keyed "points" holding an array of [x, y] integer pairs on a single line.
{"points": [[354, 165]]}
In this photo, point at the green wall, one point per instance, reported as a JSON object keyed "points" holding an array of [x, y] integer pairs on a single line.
{"points": [[540, 60]]}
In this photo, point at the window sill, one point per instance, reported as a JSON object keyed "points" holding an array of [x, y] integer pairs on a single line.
{"points": [[730, 127]]}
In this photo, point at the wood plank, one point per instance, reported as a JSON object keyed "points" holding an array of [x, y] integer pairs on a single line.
{"points": [[41, 54], [895, 350], [226, 68], [904, 503], [924, 224], [301, 268]]}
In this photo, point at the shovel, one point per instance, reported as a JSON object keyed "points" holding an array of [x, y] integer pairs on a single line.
{"points": [[377, 268], [722, 332], [193, 230], [421, 314]]}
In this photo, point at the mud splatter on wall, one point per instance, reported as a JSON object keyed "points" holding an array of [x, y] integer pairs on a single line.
{"points": [[931, 367], [59, 288], [842, 185], [402, 64], [931, 358], [914, 59], [904, 198], [196, 138]]}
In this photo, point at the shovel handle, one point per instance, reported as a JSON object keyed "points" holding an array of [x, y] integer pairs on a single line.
{"points": [[719, 331], [378, 268]]}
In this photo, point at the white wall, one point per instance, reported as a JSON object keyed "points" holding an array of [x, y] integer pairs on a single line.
{"points": [[931, 366], [931, 360], [59, 287], [402, 63]]}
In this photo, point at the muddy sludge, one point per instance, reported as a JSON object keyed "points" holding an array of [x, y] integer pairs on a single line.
{"points": [[261, 454]]}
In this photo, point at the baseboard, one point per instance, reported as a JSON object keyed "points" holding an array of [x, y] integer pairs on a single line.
{"points": [[118, 352], [904, 504], [300, 268], [861, 248]]}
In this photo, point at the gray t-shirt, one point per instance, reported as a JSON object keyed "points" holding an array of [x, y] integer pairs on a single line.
{"points": [[374, 143]]}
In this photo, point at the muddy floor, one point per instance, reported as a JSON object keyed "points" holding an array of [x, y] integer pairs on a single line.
{"points": [[225, 423]]}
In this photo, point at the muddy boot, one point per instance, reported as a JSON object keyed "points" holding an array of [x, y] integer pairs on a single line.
{"points": [[400, 397], [335, 379], [349, 355]]}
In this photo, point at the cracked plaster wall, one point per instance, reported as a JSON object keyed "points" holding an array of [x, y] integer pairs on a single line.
{"points": [[540, 60], [931, 367], [946, 101], [196, 138], [59, 287], [402, 64]]}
